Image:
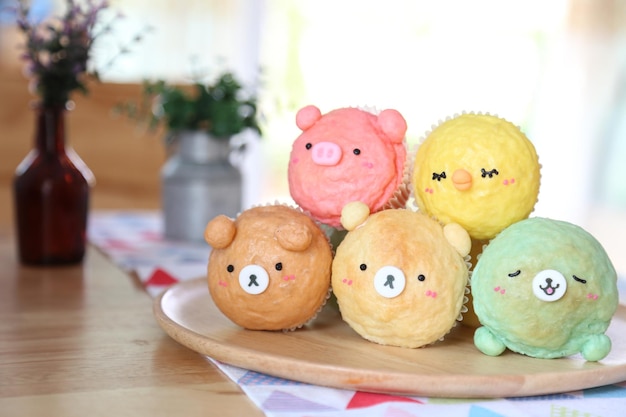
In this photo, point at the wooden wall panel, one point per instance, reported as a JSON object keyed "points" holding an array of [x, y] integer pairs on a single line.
{"points": [[125, 160]]}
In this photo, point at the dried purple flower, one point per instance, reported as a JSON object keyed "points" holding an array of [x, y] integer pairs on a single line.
{"points": [[57, 50]]}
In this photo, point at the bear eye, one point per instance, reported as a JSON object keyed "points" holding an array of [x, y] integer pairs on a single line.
{"points": [[362, 267], [484, 172], [279, 266], [439, 177], [308, 145], [583, 281], [421, 277], [356, 151], [230, 268], [514, 274]]}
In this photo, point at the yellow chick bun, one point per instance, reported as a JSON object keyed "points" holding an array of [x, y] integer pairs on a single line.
{"points": [[479, 171]]}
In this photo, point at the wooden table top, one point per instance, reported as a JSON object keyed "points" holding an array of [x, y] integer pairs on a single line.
{"points": [[77, 341]]}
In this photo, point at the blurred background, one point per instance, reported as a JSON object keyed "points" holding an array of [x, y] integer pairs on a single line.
{"points": [[555, 68]]}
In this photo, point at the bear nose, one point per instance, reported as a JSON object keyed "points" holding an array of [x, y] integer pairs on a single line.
{"points": [[326, 153], [462, 180], [549, 285], [254, 279], [389, 281]]}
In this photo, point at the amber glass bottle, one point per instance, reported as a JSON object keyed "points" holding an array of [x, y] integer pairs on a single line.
{"points": [[51, 195]]}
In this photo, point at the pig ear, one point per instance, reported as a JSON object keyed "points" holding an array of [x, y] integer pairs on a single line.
{"points": [[393, 124], [307, 116], [354, 214], [220, 232], [294, 236], [458, 238]]}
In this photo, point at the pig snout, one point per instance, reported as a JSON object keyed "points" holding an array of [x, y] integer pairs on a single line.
{"points": [[326, 153]]}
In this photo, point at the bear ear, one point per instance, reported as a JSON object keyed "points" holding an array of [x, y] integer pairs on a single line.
{"points": [[294, 236], [354, 214], [393, 124], [307, 116], [220, 232], [458, 238]]}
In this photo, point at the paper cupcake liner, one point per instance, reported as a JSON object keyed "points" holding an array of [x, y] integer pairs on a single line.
{"points": [[312, 318], [400, 196]]}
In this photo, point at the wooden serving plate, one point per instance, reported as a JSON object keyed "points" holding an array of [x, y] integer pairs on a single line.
{"points": [[328, 352]]}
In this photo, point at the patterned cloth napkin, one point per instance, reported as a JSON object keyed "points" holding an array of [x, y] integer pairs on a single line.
{"points": [[134, 241]]}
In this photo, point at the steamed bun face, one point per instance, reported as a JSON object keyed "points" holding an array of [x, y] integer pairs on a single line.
{"points": [[398, 281], [369, 167], [478, 171], [543, 287], [297, 282]]}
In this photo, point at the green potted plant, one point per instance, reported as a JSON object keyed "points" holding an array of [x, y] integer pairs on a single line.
{"points": [[199, 179], [221, 109]]}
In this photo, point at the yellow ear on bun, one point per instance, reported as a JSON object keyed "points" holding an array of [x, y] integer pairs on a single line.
{"points": [[458, 237], [354, 214]]}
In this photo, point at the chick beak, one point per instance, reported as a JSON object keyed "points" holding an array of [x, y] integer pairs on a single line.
{"points": [[462, 180]]}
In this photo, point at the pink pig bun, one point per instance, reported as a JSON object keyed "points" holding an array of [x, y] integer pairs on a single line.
{"points": [[348, 154]]}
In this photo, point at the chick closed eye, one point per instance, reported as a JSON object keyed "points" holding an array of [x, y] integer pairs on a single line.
{"points": [[439, 177], [491, 173]]}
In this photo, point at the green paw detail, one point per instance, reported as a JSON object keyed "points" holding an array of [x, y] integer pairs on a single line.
{"points": [[487, 342], [596, 348]]}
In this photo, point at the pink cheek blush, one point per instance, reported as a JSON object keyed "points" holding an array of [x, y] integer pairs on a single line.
{"points": [[509, 182], [347, 281], [500, 290], [222, 283], [368, 165], [592, 296], [295, 160], [429, 190]]}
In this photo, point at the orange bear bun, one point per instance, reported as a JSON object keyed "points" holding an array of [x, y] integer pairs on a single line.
{"points": [[269, 268]]}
